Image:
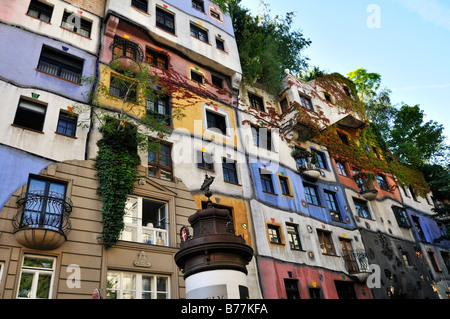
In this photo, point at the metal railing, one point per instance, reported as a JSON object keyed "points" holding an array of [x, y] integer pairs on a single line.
{"points": [[38, 210], [356, 261]]}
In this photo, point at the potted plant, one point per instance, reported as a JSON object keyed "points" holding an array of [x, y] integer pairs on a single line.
{"points": [[308, 168]]}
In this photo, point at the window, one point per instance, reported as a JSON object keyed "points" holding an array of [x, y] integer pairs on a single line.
{"points": [[67, 124], [445, 256], [122, 285], [306, 102], [119, 87], [40, 10], [45, 204], [314, 293], [146, 222], [419, 229], [274, 234], [36, 278], [127, 48], [327, 97], [291, 286], [401, 216], [362, 209], [312, 196], [266, 181], [284, 105], [60, 64], [205, 161], [293, 236], [262, 137], [198, 4], [159, 109], [432, 258], [197, 77], [199, 33], [160, 162], [156, 59], [165, 20], [30, 115], [341, 169], [220, 44], [215, 14], [256, 102], [284, 184], [343, 137], [216, 81], [76, 24], [406, 259], [326, 243], [381, 179], [229, 171], [345, 289], [216, 121], [413, 193], [140, 4], [333, 206], [321, 159], [2, 265]]}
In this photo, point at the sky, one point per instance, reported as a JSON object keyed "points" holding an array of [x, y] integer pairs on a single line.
{"points": [[406, 41]]}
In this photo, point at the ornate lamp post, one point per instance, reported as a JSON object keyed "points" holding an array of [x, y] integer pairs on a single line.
{"points": [[214, 259]]}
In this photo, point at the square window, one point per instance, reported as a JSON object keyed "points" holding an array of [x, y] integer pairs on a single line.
{"points": [[159, 109], [333, 206], [274, 233], [205, 161], [293, 236], [262, 137], [119, 87], [291, 287], [306, 102], [311, 194], [67, 124], [146, 221], [256, 102], [30, 115], [199, 5], [60, 64], [284, 105], [326, 243], [40, 10], [165, 20], [315, 293], [36, 278], [362, 209], [157, 59], [341, 169], [321, 159], [160, 161], [284, 183], [344, 138], [197, 77], [220, 44], [215, 14], [381, 179], [216, 81], [266, 181], [229, 171], [140, 4], [76, 24], [216, 122], [122, 285], [199, 33]]}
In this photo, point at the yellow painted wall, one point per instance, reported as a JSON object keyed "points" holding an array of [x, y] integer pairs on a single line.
{"points": [[241, 213]]}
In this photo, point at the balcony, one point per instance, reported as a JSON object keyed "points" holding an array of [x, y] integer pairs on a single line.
{"points": [[42, 222], [357, 264]]}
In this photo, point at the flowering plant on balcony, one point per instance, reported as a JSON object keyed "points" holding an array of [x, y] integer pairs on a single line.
{"points": [[301, 153], [366, 178]]}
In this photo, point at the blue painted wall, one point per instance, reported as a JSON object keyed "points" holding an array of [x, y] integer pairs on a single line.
{"points": [[294, 203], [20, 55], [16, 167], [429, 226]]}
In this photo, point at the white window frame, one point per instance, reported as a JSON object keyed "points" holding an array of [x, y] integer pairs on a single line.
{"points": [[138, 287], [36, 272], [134, 230]]}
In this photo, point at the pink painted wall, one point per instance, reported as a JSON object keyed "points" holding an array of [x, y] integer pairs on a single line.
{"points": [[272, 274], [179, 68]]}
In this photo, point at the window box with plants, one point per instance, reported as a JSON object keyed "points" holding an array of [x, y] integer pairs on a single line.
{"points": [[364, 180], [306, 164]]}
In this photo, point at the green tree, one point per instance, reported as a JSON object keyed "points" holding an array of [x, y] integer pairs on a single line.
{"points": [[267, 46], [415, 142]]}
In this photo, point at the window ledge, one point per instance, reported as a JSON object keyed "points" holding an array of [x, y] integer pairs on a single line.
{"points": [[270, 193], [37, 19], [232, 183], [139, 10], [65, 135], [83, 36], [58, 77], [159, 28], [27, 128]]}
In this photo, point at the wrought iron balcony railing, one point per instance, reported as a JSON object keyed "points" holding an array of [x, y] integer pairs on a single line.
{"points": [[48, 211], [356, 261]]}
